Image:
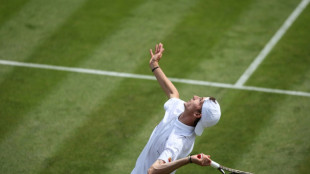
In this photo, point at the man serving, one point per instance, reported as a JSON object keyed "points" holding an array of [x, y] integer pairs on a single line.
{"points": [[173, 138]]}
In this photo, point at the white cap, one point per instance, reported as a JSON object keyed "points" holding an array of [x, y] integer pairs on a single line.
{"points": [[210, 115]]}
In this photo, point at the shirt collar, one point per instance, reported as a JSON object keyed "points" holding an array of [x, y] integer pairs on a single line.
{"points": [[184, 127]]}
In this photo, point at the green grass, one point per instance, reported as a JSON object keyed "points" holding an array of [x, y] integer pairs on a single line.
{"points": [[63, 48], [61, 122], [289, 62], [8, 8], [25, 31]]}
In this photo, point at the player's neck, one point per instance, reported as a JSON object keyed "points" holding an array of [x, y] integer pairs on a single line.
{"points": [[186, 119]]}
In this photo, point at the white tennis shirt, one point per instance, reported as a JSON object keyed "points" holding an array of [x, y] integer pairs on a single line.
{"points": [[170, 140]]}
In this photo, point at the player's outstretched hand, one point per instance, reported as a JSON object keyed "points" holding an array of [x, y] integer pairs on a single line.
{"points": [[156, 56], [201, 159]]}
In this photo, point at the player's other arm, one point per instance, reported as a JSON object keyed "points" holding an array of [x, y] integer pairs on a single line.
{"points": [[169, 89], [160, 167]]}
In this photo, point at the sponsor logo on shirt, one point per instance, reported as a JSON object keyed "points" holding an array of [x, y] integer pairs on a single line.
{"points": [[169, 159]]}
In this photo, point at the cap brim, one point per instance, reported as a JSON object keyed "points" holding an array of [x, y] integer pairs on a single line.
{"points": [[199, 128]]}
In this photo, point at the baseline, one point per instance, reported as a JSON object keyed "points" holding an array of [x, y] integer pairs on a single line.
{"points": [[148, 77]]}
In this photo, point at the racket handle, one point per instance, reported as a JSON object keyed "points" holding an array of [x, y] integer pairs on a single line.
{"points": [[215, 164]]}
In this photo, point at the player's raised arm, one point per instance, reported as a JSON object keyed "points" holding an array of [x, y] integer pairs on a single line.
{"points": [[164, 82]]}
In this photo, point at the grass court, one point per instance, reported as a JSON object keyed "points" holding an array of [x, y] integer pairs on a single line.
{"points": [[59, 121]]}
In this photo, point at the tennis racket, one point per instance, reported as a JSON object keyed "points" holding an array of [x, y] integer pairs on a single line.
{"points": [[222, 169]]}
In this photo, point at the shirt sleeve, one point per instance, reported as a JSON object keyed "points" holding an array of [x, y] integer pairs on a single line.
{"points": [[171, 103], [172, 150], [173, 108], [168, 155]]}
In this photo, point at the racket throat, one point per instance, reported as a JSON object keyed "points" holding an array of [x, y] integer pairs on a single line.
{"points": [[221, 170]]}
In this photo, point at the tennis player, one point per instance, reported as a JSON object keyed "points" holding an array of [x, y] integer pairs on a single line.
{"points": [[173, 138]]}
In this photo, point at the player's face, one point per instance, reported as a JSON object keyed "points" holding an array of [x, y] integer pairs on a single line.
{"points": [[195, 104]]}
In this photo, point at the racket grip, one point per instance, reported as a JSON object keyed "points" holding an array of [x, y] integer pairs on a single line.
{"points": [[215, 164]]}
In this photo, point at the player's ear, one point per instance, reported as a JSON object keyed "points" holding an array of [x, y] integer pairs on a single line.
{"points": [[197, 114]]}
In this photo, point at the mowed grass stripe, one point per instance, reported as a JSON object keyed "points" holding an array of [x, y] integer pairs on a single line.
{"points": [[47, 125], [32, 24], [21, 34], [68, 45], [242, 42], [129, 47], [283, 144], [55, 119], [9, 8], [79, 37], [289, 62], [53, 104]]}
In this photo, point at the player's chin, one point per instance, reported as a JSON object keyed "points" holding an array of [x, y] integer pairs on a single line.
{"points": [[186, 104]]}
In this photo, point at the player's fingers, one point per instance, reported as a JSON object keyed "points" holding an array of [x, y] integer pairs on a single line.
{"points": [[206, 156], [205, 160], [151, 52], [162, 49], [208, 160]]}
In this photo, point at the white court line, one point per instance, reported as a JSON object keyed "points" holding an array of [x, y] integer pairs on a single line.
{"points": [[148, 77], [274, 40]]}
